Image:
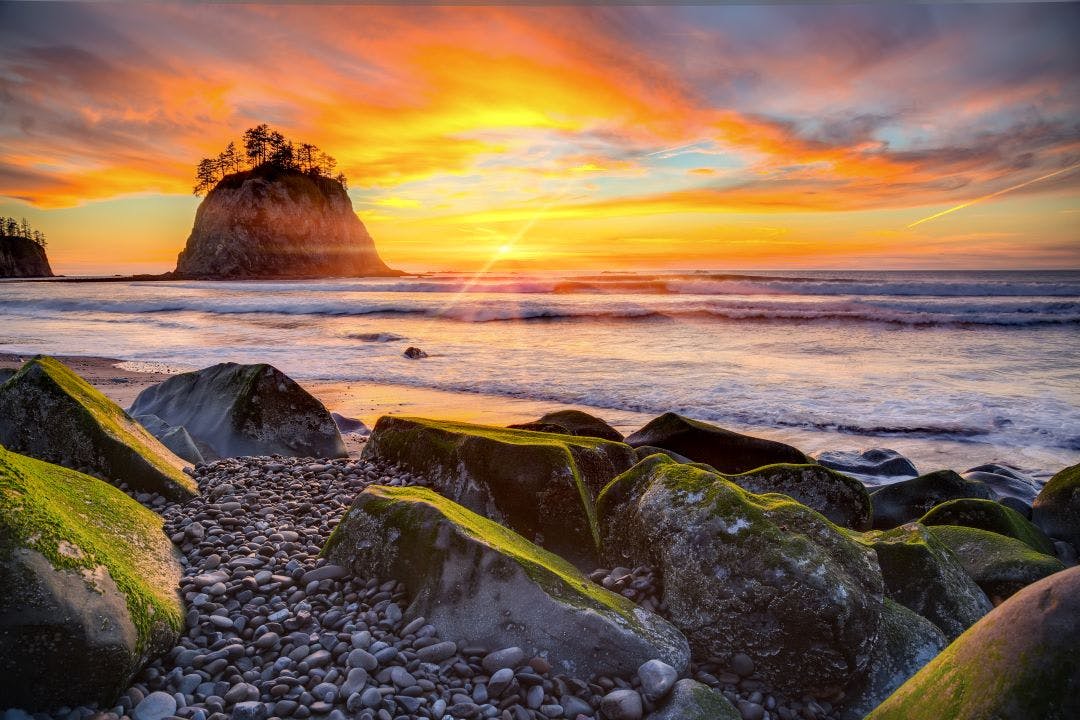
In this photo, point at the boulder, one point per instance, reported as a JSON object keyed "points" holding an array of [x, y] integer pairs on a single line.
{"points": [[727, 451], [923, 575], [876, 466], [1005, 481], [483, 584], [842, 499], [176, 439], [1057, 508], [909, 500], [50, 413], [761, 575], [541, 485], [350, 426], [905, 644], [691, 700], [244, 410], [575, 422], [1019, 661], [88, 587], [992, 516], [276, 223], [644, 451], [1000, 565]]}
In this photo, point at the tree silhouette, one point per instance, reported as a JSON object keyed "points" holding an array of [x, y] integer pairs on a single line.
{"points": [[21, 228], [265, 149]]}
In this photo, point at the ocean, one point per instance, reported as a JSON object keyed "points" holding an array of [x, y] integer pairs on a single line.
{"points": [[988, 358]]}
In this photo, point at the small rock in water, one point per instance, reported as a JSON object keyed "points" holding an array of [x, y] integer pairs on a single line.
{"points": [[414, 353]]}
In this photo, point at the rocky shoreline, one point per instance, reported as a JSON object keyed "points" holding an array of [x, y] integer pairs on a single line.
{"points": [[420, 580]]}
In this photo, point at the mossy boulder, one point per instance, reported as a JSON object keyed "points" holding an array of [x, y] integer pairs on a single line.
{"points": [[909, 500], [573, 422], [905, 644], [727, 451], [923, 575], [237, 410], [992, 516], [842, 499], [691, 700], [50, 413], [1020, 661], [88, 586], [1000, 565], [874, 466], [542, 485], [745, 573], [482, 583], [644, 451], [1057, 508]]}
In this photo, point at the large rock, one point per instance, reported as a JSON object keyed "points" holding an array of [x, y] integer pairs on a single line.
{"points": [[573, 422], [923, 575], [1005, 481], [727, 451], [742, 573], [240, 410], [992, 516], [88, 587], [691, 700], [875, 466], [22, 258], [842, 499], [269, 223], [1020, 661], [909, 500], [1057, 508], [1000, 565], [50, 413], [481, 583], [905, 644], [542, 485]]}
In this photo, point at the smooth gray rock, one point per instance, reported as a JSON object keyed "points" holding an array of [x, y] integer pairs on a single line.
{"points": [[872, 467], [691, 700], [244, 410], [1005, 481], [621, 705], [480, 583], [657, 679], [509, 657], [176, 439], [155, 706]]}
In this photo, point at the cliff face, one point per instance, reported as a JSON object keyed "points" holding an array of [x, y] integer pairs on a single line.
{"points": [[279, 224], [22, 258]]}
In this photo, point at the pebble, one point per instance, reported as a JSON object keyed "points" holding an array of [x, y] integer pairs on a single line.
{"points": [[742, 664], [155, 706], [622, 705], [510, 657], [657, 679]]}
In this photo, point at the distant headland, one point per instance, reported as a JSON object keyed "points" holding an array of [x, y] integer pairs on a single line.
{"points": [[22, 250]]}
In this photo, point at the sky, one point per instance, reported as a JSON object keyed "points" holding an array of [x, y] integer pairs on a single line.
{"points": [[568, 137]]}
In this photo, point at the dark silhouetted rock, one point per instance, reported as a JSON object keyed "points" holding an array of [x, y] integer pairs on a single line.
{"points": [[1057, 508], [244, 410], [573, 422], [22, 258], [909, 500], [727, 451], [1005, 481], [876, 466]]}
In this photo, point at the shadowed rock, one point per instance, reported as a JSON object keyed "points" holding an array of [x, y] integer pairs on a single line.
{"points": [[909, 500], [1000, 565], [22, 258], [244, 410], [50, 413], [992, 516], [481, 583], [573, 422], [1057, 508]]}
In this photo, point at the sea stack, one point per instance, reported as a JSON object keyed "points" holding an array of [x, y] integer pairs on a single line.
{"points": [[278, 223], [21, 257]]}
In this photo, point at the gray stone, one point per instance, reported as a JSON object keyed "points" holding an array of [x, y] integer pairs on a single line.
{"points": [[509, 657], [621, 705], [244, 410], [438, 652], [691, 700], [872, 467], [250, 710], [155, 706], [908, 500], [657, 679]]}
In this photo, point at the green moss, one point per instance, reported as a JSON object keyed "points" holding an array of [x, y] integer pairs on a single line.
{"points": [[1000, 565], [107, 416], [405, 505], [47, 507], [992, 516]]}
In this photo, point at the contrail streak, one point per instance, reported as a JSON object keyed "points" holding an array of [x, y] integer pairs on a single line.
{"points": [[969, 203]]}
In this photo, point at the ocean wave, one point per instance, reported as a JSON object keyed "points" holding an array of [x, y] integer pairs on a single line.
{"points": [[1021, 313]]}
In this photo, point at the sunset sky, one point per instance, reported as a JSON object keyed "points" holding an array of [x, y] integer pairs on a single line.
{"points": [[566, 137]]}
